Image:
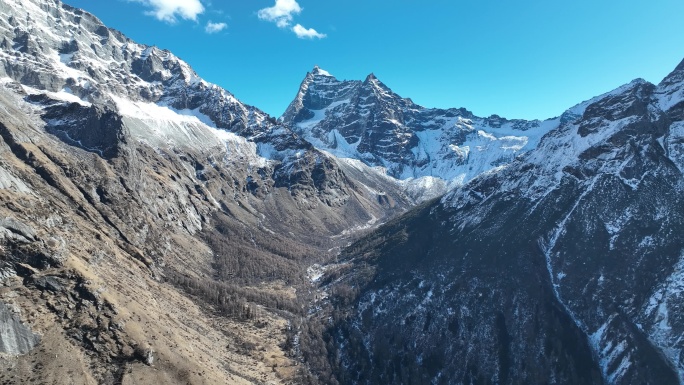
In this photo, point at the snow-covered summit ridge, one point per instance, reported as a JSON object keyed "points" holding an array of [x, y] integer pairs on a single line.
{"points": [[588, 133], [366, 120], [586, 126], [53, 47]]}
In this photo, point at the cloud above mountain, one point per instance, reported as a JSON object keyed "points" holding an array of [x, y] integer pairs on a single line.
{"points": [[171, 10], [282, 14], [212, 27], [307, 33]]}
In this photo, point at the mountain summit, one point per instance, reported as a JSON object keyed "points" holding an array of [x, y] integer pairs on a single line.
{"points": [[366, 120]]}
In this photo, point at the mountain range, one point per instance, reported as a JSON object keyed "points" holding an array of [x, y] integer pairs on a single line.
{"points": [[153, 228]]}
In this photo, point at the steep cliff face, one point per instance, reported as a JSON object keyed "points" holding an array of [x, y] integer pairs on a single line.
{"points": [[365, 120], [563, 267]]}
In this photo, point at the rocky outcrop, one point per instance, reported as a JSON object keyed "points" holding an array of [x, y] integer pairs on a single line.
{"points": [[94, 128], [15, 230], [15, 337]]}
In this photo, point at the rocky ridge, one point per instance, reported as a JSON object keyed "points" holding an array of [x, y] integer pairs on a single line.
{"points": [[50, 46]]}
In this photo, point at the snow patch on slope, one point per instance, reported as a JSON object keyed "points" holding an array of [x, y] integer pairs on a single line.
{"points": [[320, 115], [661, 332], [65, 95], [162, 126], [674, 144], [566, 145], [614, 356], [670, 91], [418, 189]]}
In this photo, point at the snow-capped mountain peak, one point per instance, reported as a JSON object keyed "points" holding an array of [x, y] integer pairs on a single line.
{"points": [[366, 120], [318, 71], [580, 237]]}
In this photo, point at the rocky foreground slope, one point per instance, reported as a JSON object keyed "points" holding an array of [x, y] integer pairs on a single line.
{"points": [[566, 267]]}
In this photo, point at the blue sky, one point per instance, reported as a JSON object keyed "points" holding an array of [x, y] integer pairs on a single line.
{"points": [[518, 59]]}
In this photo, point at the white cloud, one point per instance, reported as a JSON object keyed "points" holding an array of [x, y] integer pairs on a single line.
{"points": [[215, 27], [170, 10], [307, 33], [281, 13]]}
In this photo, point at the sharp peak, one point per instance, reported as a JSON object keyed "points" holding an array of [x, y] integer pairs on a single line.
{"points": [[372, 79], [677, 75], [637, 81], [680, 67], [320, 72]]}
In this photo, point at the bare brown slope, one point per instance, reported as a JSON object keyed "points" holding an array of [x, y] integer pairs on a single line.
{"points": [[122, 265]]}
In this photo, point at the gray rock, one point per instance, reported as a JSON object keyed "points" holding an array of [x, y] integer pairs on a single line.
{"points": [[11, 228], [15, 337], [48, 283]]}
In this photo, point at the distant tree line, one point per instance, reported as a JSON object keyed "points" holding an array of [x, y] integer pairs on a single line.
{"points": [[250, 256]]}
